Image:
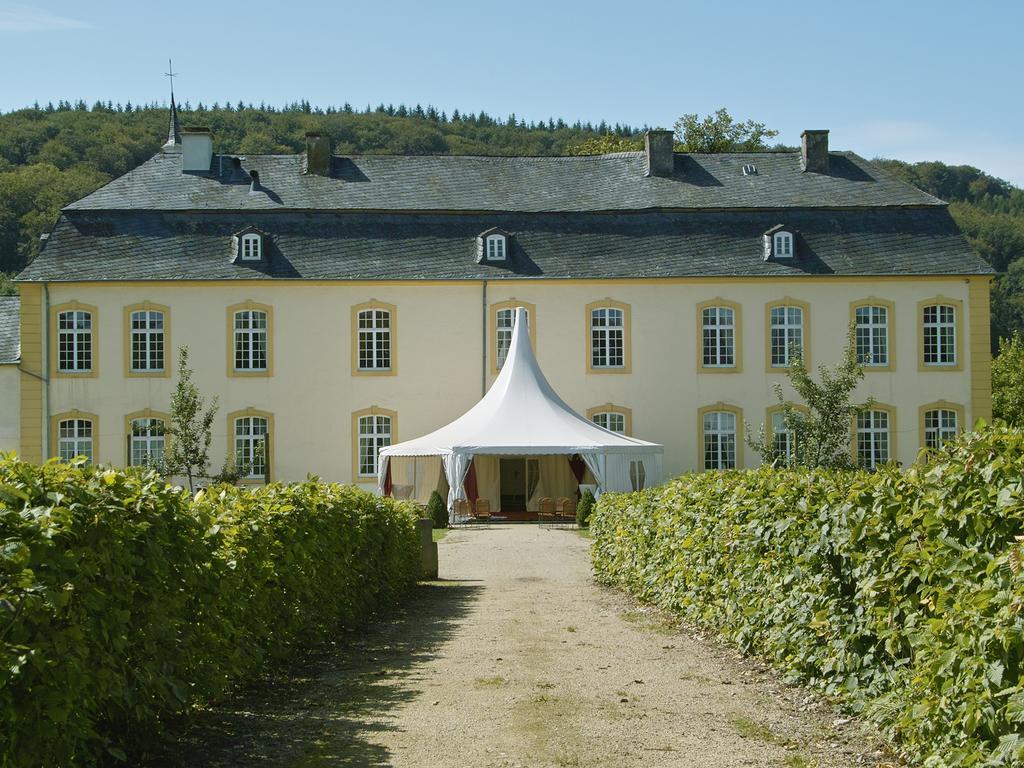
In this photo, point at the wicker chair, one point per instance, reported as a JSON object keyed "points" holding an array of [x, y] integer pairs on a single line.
{"points": [[566, 507], [482, 510], [463, 509], [546, 509]]}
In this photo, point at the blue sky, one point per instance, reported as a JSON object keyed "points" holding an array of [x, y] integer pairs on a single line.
{"points": [[903, 78]]}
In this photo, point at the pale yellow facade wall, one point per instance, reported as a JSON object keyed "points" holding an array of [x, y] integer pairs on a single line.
{"points": [[10, 408], [444, 328]]}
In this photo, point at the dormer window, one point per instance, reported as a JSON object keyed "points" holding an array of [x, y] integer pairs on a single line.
{"points": [[252, 247], [495, 247], [779, 244], [783, 245], [492, 246]]}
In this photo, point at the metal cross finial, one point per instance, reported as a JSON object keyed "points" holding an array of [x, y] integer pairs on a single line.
{"points": [[171, 74]]}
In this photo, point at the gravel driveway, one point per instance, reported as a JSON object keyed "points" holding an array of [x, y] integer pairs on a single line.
{"points": [[517, 658]]}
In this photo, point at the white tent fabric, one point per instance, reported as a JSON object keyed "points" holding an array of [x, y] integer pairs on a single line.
{"points": [[522, 415]]}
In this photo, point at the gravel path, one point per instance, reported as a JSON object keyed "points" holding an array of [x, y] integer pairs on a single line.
{"points": [[517, 658]]}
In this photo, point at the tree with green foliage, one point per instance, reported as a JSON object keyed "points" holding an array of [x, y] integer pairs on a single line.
{"points": [[7, 286], [1008, 381], [606, 144], [721, 133], [819, 426], [584, 509], [437, 511], [190, 431]]}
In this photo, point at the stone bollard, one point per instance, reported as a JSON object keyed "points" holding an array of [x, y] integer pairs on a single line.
{"points": [[428, 548]]}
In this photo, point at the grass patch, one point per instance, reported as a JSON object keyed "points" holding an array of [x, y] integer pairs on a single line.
{"points": [[797, 761], [489, 682], [439, 533], [749, 729], [570, 628], [649, 622], [584, 533]]}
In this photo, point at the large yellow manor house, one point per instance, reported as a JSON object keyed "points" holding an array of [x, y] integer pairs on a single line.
{"points": [[338, 304]]}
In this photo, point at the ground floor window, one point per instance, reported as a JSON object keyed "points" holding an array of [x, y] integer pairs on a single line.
{"points": [[873, 439], [251, 446], [147, 442], [940, 426], [374, 434], [719, 440], [74, 438]]}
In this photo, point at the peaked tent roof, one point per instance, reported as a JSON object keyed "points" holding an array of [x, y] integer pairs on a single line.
{"points": [[520, 414]]}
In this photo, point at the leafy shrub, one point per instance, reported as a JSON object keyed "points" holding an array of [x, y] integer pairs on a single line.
{"points": [[584, 509], [124, 602], [437, 511], [899, 593]]}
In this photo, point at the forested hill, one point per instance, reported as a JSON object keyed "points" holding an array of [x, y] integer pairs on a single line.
{"points": [[52, 155]]}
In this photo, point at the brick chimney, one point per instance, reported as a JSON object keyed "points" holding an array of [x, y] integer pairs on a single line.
{"points": [[814, 151], [318, 154], [659, 146]]}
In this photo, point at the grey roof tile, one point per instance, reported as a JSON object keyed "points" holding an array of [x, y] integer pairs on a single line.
{"points": [[10, 329]]}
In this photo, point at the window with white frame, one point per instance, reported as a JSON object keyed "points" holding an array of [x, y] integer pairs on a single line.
{"points": [[74, 341], [147, 340], [251, 342], [873, 439], [783, 245], [719, 337], [74, 438], [787, 334], [613, 421], [940, 426], [719, 430], [252, 247], [374, 340], [939, 334], [496, 247], [607, 338], [872, 335], [782, 439], [251, 446], [374, 434], [146, 442], [504, 321], [637, 475]]}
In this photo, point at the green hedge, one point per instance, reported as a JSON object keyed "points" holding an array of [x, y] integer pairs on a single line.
{"points": [[899, 592], [124, 603]]}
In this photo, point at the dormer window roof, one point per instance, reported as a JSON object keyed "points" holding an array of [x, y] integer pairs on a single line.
{"points": [[492, 246], [779, 243], [249, 246]]}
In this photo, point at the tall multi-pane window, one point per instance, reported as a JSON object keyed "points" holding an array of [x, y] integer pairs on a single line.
{"points": [[252, 247], [782, 439], [787, 334], [251, 342], [251, 446], [872, 335], [940, 426], [607, 338], [374, 434], [74, 438], [147, 340], [783, 245], [718, 331], [610, 420], [873, 438], [496, 247], [719, 429], [504, 321], [939, 334], [374, 340], [74, 341], [147, 442]]}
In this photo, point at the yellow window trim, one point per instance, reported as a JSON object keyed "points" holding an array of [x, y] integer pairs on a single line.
{"points": [[373, 410], [893, 447], [890, 308], [32, 372], [57, 418], [737, 336], [627, 346], [55, 312], [250, 305], [959, 328], [980, 329], [374, 304], [938, 405], [511, 304], [145, 413], [244, 413], [719, 406], [147, 306], [786, 301], [627, 414]]}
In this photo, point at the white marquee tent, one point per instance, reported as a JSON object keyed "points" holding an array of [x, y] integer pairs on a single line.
{"points": [[521, 415]]}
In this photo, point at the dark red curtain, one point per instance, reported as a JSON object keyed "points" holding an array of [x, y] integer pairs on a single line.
{"points": [[387, 481], [578, 467], [470, 484]]}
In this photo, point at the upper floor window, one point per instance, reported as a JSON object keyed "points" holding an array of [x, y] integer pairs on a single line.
{"points": [[779, 243], [374, 340], [74, 341], [872, 335], [252, 247], [251, 341], [939, 334], [496, 247], [783, 246], [718, 429], [786, 334], [607, 338], [251, 448], [940, 426], [873, 438], [718, 337], [147, 341], [75, 438], [146, 442], [610, 420], [375, 432], [504, 321]]}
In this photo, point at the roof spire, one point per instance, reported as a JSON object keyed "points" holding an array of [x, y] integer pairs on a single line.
{"points": [[174, 131]]}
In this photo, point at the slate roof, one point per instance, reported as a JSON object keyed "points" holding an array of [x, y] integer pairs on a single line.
{"points": [[10, 329], [615, 182], [111, 246]]}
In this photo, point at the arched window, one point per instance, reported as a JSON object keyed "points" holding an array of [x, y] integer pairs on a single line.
{"points": [[75, 438], [610, 420], [496, 247], [939, 334], [782, 439], [251, 446], [720, 435], [375, 431], [786, 329], [147, 341], [783, 245], [607, 337], [940, 426], [374, 339], [74, 341], [872, 327], [718, 337], [147, 442], [252, 247], [874, 438], [504, 320], [251, 340]]}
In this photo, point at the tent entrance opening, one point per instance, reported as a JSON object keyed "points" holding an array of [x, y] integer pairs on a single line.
{"points": [[518, 478]]}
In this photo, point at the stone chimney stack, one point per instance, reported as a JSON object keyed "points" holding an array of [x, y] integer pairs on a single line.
{"points": [[318, 154], [814, 151], [660, 160]]}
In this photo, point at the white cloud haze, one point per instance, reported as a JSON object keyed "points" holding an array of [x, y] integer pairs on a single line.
{"points": [[15, 17]]}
